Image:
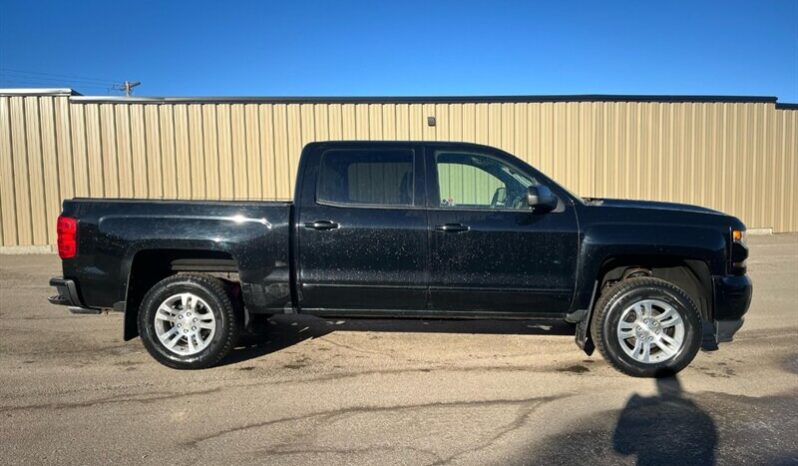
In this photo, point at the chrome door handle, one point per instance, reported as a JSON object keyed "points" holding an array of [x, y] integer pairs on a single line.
{"points": [[452, 227], [322, 225]]}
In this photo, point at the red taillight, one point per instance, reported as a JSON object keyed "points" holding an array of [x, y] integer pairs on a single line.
{"points": [[67, 228]]}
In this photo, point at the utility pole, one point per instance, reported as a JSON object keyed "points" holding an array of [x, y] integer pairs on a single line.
{"points": [[127, 86]]}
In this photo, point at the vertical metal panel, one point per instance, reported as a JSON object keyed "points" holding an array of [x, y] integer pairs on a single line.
{"points": [[736, 157], [196, 151], [152, 144], [167, 149], [8, 203], [282, 167], [211, 148], [94, 151], [295, 145], [269, 176], [223, 126], [124, 150], [253, 153], [138, 152], [185, 181], [35, 171], [108, 152], [20, 174], [238, 131], [52, 198]]}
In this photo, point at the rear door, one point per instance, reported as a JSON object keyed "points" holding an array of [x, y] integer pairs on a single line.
{"points": [[490, 251], [362, 230]]}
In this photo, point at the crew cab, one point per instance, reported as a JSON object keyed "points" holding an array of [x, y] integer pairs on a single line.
{"points": [[432, 230]]}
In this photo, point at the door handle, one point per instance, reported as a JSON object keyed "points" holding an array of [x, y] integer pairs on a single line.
{"points": [[322, 225], [452, 227]]}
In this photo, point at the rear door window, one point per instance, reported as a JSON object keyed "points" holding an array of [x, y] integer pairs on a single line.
{"points": [[368, 177]]}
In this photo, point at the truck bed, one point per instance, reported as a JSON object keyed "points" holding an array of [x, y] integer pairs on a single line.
{"points": [[117, 235]]}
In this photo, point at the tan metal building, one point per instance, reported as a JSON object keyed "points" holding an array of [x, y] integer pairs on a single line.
{"points": [[735, 154]]}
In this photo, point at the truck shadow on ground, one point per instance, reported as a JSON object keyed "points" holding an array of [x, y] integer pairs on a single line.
{"points": [[284, 331], [666, 428]]}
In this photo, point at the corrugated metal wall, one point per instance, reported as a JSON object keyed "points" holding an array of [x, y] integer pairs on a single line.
{"points": [[740, 158]]}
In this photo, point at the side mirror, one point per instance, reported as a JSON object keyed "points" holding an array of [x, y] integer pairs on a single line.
{"points": [[541, 198]]}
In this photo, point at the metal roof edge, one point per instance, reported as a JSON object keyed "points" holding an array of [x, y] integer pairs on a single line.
{"points": [[436, 99], [37, 91], [77, 97]]}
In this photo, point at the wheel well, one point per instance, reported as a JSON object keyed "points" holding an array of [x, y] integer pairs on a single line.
{"points": [[691, 275], [151, 266]]}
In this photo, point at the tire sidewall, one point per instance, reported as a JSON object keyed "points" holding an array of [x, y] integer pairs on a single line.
{"points": [[219, 308], [681, 304]]}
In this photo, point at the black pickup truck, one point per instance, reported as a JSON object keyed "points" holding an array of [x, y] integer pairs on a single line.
{"points": [[410, 230]]}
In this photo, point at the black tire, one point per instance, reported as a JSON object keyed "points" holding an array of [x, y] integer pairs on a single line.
{"points": [[209, 289], [615, 300]]}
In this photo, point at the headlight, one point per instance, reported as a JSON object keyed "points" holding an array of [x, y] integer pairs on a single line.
{"points": [[739, 236], [739, 251]]}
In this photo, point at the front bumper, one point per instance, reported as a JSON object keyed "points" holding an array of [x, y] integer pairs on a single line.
{"points": [[68, 296], [732, 295]]}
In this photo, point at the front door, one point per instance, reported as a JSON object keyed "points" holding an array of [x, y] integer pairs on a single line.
{"points": [[490, 251], [363, 240]]}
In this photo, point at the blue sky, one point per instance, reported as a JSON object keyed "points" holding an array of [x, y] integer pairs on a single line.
{"points": [[361, 48]]}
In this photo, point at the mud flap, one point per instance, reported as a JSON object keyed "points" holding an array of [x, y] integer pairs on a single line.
{"points": [[582, 337]]}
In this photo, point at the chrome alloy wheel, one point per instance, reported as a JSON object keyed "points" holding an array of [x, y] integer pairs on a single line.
{"points": [[185, 324], [651, 331]]}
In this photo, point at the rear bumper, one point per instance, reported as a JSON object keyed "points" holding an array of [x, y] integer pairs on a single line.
{"points": [[732, 295], [68, 296]]}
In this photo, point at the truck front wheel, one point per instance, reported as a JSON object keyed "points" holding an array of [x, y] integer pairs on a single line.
{"points": [[187, 321], [647, 327]]}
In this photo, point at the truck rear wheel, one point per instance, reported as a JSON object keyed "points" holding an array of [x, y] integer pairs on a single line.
{"points": [[188, 321], [647, 327]]}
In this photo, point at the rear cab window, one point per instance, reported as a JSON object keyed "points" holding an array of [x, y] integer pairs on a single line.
{"points": [[367, 177]]}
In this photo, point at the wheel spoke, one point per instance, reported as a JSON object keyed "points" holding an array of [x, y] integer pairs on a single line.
{"points": [[626, 334], [171, 343], [670, 341], [648, 311], [671, 318], [191, 347], [665, 348], [165, 337], [624, 325], [207, 325], [638, 345], [645, 353], [164, 313]]}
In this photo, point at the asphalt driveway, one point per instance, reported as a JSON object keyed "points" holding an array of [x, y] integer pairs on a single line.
{"points": [[392, 392]]}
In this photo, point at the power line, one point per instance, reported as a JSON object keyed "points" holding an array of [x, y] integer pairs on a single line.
{"points": [[52, 83], [42, 78], [37, 83], [55, 75]]}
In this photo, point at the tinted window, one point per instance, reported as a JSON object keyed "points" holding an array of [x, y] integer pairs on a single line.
{"points": [[377, 177], [468, 180]]}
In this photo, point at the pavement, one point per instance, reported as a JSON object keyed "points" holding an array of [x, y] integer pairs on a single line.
{"points": [[392, 392]]}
